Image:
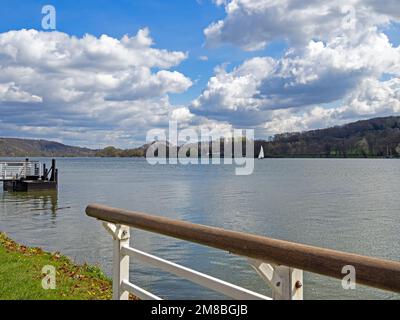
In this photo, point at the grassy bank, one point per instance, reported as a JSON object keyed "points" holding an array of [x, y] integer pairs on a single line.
{"points": [[21, 275]]}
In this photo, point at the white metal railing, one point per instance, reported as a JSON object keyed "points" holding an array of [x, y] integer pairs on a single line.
{"points": [[284, 281], [280, 263], [14, 170]]}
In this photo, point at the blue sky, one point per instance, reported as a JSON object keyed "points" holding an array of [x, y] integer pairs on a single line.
{"points": [[275, 67], [174, 25]]}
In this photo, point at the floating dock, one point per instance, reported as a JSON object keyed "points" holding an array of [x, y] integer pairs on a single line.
{"points": [[25, 176]]}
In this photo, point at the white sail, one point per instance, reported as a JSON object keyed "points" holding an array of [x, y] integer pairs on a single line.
{"points": [[261, 155]]}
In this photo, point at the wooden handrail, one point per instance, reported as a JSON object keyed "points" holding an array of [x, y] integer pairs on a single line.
{"points": [[374, 272]]}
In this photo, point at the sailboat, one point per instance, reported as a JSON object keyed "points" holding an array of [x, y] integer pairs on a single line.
{"points": [[261, 155]]}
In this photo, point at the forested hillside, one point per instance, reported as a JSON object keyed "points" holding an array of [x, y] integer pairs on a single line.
{"points": [[379, 137], [10, 147]]}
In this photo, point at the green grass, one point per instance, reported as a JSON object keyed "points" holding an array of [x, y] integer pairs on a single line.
{"points": [[21, 275]]}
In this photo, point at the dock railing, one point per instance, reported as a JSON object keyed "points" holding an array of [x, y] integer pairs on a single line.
{"points": [[279, 263], [15, 170]]}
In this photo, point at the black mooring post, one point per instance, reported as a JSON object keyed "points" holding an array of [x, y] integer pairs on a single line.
{"points": [[44, 172], [53, 170]]}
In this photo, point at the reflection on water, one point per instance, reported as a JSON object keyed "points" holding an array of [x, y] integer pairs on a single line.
{"points": [[349, 205], [40, 201]]}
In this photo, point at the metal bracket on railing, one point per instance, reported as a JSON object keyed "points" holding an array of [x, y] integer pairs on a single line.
{"points": [[286, 283], [117, 231]]}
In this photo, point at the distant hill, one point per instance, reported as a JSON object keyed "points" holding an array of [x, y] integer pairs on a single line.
{"points": [[122, 153], [12, 147], [379, 137]]}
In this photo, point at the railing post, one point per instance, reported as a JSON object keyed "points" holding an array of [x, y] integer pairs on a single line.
{"points": [[121, 236]]}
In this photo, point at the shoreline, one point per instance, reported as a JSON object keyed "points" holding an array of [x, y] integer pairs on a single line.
{"points": [[21, 275], [143, 157]]}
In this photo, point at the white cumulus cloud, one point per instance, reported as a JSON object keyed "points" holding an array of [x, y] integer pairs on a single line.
{"points": [[104, 86], [252, 24], [370, 98], [337, 53]]}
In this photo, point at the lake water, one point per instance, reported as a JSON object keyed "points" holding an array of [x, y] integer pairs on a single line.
{"points": [[349, 205]]}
